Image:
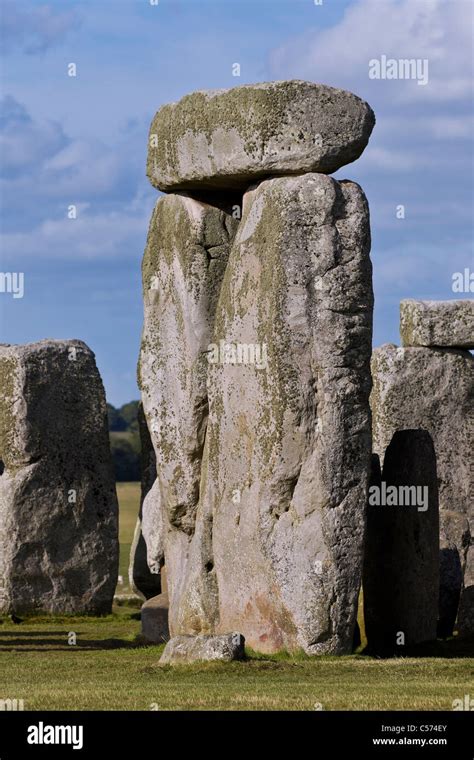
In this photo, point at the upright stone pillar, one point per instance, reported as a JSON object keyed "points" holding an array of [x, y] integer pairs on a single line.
{"points": [[401, 568], [58, 506], [279, 538], [431, 387], [183, 266]]}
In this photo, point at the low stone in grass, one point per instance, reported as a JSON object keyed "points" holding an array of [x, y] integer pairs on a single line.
{"points": [[185, 649], [154, 617]]}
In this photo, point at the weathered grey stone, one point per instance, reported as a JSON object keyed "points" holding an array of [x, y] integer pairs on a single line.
{"points": [[401, 566], [183, 649], [183, 266], [231, 138], [141, 579], [437, 323], [154, 619], [277, 548], [450, 587], [58, 507], [433, 390], [466, 609]]}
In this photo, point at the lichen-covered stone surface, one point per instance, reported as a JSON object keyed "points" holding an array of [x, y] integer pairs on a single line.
{"points": [[277, 548], [141, 579], [58, 507], [401, 567], [231, 138], [437, 323], [433, 389], [184, 263], [185, 649]]}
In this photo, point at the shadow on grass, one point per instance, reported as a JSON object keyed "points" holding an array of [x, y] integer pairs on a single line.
{"points": [[9, 634], [35, 641], [453, 648]]}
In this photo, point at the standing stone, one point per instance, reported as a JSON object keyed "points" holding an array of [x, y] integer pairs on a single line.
{"points": [[401, 567], [231, 138], [58, 506], [141, 579], [184, 263], [433, 389], [437, 323], [466, 609], [277, 549]]}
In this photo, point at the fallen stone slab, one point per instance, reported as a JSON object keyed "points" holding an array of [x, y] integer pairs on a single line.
{"points": [[58, 506], [232, 138], [432, 389], [278, 543], [447, 324], [183, 649], [154, 619]]}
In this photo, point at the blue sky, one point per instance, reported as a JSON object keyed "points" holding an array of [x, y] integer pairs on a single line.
{"points": [[82, 140]]}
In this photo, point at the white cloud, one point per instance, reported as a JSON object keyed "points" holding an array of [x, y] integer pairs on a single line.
{"points": [[437, 30], [24, 142], [106, 235], [33, 29], [44, 171]]}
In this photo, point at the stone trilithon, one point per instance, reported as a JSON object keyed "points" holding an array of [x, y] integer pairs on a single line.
{"points": [[255, 364]]}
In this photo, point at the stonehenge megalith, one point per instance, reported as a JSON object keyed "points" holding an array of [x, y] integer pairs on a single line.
{"points": [[230, 139], [142, 580], [58, 506], [255, 364], [431, 388], [437, 324], [401, 567]]}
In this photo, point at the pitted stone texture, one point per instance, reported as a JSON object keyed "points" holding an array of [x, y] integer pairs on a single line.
{"points": [[277, 551], [185, 649], [447, 324], [232, 138], [185, 259], [433, 389], [154, 619], [141, 579], [401, 567], [58, 507]]}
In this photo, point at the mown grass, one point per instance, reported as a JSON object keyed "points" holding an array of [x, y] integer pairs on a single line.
{"points": [[129, 502], [109, 669]]}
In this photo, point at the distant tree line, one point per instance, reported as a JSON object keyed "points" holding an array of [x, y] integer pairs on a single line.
{"points": [[125, 440]]}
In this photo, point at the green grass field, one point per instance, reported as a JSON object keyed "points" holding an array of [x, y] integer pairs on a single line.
{"points": [[129, 501], [109, 668]]}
